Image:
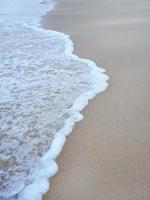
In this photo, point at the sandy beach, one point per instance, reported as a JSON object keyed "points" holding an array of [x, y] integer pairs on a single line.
{"points": [[107, 156]]}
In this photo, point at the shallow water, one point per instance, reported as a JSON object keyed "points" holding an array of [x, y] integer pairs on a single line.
{"points": [[40, 81]]}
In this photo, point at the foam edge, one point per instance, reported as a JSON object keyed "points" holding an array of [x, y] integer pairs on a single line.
{"points": [[49, 167]]}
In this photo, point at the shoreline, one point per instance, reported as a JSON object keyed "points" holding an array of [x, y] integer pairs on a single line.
{"points": [[119, 140]]}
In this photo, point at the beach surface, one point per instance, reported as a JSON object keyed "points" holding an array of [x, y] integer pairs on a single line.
{"points": [[107, 156]]}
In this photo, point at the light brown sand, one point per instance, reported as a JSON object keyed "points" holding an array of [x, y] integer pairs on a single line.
{"points": [[108, 155]]}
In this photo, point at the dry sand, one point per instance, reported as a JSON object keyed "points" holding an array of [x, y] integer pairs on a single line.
{"points": [[108, 155]]}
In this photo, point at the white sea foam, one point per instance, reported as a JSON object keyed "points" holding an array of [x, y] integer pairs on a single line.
{"points": [[43, 89]]}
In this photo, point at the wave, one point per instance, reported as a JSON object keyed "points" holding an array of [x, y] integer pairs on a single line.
{"points": [[44, 86]]}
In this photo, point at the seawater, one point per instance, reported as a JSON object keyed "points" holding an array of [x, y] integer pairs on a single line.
{"points": [[43, 86]]}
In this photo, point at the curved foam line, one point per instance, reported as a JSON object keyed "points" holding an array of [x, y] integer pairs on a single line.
{"points": [[49, 166]]}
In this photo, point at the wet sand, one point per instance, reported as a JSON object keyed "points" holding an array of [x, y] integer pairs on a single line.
{"points": [[107, 157]]}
